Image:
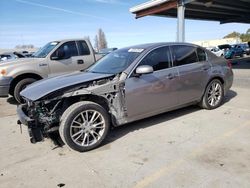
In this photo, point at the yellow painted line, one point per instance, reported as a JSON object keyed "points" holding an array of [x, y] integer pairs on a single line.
{"points": [[146, 181]]}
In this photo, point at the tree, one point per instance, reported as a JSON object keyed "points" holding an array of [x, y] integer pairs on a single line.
{"points": [[87, 38], [248, 32], [100, 40], [245, 37], [25, 46], [96, 46], [232, 35]]}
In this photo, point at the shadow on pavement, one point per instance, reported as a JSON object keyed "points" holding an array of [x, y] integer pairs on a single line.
{"points": [[12, 101], [230, 95], [121, 131]]}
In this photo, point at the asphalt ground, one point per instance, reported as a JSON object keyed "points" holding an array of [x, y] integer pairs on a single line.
{"points": [[190, 147]]}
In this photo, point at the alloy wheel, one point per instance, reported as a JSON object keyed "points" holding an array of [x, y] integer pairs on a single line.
{"points": [[214, 94], [87, 128]]}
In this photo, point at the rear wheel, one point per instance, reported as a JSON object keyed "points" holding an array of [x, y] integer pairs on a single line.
{"points": [[22, 84], [84, 126], [213, 95]]}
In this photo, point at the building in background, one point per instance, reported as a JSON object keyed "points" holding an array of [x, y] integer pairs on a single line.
{"points": [[216, 42]]}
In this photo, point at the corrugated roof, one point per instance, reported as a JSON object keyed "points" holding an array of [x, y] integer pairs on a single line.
{"points": [[213, 10]]}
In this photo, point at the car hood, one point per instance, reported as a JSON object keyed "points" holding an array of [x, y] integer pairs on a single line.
{"points": [[20, 60], [44, 87]]}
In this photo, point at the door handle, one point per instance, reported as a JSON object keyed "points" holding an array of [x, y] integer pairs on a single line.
{"points": [[205, 68], [170, 76], [80, 62]]}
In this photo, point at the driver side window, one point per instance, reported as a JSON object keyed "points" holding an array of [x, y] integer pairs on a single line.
{"points": [[68, 49], [159, 59]]}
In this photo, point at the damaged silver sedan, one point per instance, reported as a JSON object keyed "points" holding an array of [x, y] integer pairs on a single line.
{"points": [[127, 85]]}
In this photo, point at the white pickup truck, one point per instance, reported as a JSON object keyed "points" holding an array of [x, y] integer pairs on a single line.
{"points": [[57, 57]]}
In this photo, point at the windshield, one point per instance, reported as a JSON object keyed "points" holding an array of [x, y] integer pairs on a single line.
{"points": [[44, 51], [115, 62]]}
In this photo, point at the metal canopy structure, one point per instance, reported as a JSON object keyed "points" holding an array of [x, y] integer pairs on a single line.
{"points": [[224, 11]]}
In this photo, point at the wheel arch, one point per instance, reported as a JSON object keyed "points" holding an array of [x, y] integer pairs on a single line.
{"points": [[212, 78], [216, 77], [21, 77], [102, 101]]}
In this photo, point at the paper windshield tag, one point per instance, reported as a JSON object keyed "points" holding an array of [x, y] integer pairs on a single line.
{"points": [[138, 50]]}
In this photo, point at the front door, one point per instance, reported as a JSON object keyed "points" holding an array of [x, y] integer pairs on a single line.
{"points": [[149, 94], [75, 58]]}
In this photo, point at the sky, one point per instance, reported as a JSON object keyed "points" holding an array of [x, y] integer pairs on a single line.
{"points": [[40, 21]]}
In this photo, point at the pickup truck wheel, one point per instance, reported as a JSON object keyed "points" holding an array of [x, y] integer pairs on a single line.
{"points": [[84, 126], [20, 86], [213, 95]]}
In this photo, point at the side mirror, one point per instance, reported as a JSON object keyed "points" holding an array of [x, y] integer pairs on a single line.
{"points": [[59, 54], [144, 69]]}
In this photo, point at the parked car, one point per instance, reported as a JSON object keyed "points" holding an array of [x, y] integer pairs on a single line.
{"points": [[217, 51], [236, 50], [128, 84], [19, 54], [55, 58], [245, 48], [25, 53], [7, 56], [225, 47]]}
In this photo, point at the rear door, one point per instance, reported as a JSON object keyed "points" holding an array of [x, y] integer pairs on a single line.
{"points": [[152, 93], [193, 70]]}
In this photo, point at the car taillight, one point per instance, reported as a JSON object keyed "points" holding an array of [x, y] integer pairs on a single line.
{"points": [[229, 64]]}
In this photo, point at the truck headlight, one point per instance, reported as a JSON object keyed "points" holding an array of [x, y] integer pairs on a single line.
{"points": [[3, 72]]}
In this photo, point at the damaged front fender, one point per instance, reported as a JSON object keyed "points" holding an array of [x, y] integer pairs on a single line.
{"points": [[114, 93]]}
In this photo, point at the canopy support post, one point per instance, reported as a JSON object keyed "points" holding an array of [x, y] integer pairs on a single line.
{"points": [[181, 21]]}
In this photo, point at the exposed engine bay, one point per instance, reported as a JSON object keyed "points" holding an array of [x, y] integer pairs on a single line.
{"points": [[44, 114]]}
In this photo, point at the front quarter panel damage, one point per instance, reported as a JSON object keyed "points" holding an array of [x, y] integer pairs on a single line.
{"points": [[114, 93], [46, 113]]}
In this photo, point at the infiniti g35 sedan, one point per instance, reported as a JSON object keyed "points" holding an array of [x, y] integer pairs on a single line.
{"points": [[128, 84]]}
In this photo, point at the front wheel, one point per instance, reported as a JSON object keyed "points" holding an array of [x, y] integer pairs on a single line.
{"points": [[213, 95], [84, 126]]}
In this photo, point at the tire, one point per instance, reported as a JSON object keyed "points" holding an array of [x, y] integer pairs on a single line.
{"points": [[20, 86], [82, 135], [212, 97]]}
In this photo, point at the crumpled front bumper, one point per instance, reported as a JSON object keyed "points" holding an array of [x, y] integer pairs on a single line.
{"points": [[34, 129], [23, 118]]}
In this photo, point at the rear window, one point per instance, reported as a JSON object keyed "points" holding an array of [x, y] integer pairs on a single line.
{"points": [[184, 55], [202, 56], [83, 48]]}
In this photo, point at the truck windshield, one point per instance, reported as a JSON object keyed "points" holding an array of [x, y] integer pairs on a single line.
{"points": [[44, 51], [115, 62]]}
